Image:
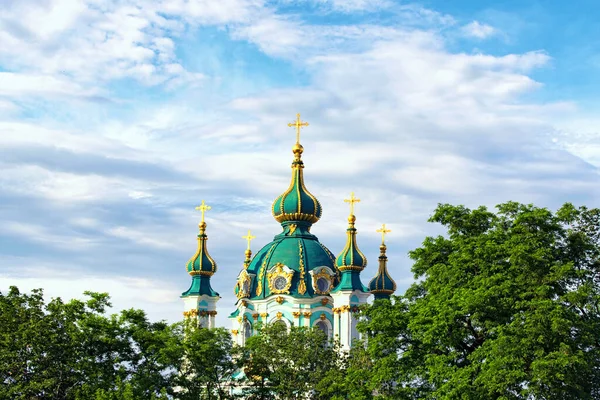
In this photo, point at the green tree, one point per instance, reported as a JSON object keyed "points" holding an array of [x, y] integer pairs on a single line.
{"points": [[288, 364], [204, 361], [73, 351], [505, 307]]}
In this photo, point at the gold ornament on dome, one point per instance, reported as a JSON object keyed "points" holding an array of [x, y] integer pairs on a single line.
{"points": [[296, 314], [298, 124], [203, 208], [255, 316], [324, 301], [261, 274], [279, 299], [279, 280], [279, 315], [234, 331], [383, 232], [323, 317], [292, 229], [352, 200], [307, 314], [264, 315], [242, 287], [301, 284]]}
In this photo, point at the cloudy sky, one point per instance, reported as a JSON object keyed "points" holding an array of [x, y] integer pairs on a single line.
{"points": [[117, 117]]}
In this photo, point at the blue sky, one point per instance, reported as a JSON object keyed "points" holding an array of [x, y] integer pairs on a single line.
{"points": [[118, 117]]}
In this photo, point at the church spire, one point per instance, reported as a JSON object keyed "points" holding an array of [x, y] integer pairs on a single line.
{"points": [[297, 204], [201, 266], [248, 252], [351, 261], [382, 285]]}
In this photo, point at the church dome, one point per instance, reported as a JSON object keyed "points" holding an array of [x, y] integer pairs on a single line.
{"points": [[292, 254], [297, 203], [382, 285], [201, 262]]}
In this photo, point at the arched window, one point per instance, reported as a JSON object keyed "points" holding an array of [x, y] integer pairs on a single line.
{"points": [[280, 323], [322, 325], [247, 330]]}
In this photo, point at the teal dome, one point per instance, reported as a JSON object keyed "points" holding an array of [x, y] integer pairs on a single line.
{"points": [[297, 203], [292, 254], [351, 258], [201, 267], [382, 285], [201, 263]]}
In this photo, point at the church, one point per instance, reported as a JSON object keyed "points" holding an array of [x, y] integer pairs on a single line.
{"points": [[295, 279]]}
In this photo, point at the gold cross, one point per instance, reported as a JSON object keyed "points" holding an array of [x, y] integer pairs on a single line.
{"points": [[249, 238], [297, 124], [203, 208], [352, 200], [383, 231]]}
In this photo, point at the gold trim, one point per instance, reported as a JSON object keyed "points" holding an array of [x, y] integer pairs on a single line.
{"points": [[307, 314], [301, 284], [235, 331], [279, 315], [279, 272], [261, 274], [279, 299], [264, 315], [321, 274], [296, 314], [324, 301], [296, 217], [323, 317], [255, 316]]}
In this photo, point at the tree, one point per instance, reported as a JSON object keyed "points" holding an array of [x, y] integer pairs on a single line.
{"points": [[204, 361], [288, 364], [505, 307], [73, 351]]}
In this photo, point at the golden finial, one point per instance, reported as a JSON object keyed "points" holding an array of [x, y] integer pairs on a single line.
{"points": [[203, 208], [352, 200], [297, 124], [383, 231], [249, 238]]}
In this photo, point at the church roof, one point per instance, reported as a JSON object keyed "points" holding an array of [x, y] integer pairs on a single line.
{"points": [[294, 248], [297, 203], [382, 285], [201, 266]]}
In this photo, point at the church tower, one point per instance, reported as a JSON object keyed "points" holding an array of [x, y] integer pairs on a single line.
{"points": [[200, 300], [288, 281], [349, 293], [382, 285]]}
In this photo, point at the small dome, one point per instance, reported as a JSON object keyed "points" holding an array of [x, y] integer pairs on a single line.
{"points": [[351, 258], [201, 263], [382, 285], [297, 203]]}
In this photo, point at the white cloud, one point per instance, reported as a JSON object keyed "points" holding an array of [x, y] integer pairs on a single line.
{"points": [[478, 30]]}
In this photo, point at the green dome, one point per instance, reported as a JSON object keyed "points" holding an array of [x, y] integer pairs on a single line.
{"points": [[292, 254], [297, 203], [351, 258], [382, 285], [201, 263]]}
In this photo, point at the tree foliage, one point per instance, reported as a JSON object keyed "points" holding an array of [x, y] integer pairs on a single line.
{"points": [[505, 307]]}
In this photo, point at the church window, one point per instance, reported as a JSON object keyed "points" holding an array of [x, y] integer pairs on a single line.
{"points": [[247, 330], [323, 285], [280, 283], [322, 325]]}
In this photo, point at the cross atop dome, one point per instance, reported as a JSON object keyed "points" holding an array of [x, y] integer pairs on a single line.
{"points": [[298, 124]]}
